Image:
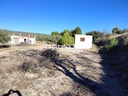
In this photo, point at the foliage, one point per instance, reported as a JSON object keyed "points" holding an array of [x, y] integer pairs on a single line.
{"points": [[117, 59], [48, 38], [116, 30], [71, 33], [96, 35], [53, 38], [76, 31], [55, 33], [66, 39], [39, 37], [4, 36], [123, 40], [112, 44], [62, 33]]}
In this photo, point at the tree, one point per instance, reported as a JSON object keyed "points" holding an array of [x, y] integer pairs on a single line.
{"points": [[55, 33], [39, 38], [62, 33], [116, 30], [71, 32], [4, 36], [95, 34], [66, 39], [76, 31]]}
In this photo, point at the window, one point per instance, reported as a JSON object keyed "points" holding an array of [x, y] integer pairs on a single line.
{"points": [[82, 39]]}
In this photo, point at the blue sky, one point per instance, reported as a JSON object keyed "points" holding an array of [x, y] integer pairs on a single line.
{"points": [[46, 16]]}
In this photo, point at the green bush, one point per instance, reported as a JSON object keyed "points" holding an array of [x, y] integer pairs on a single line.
{"points": [[113, 43], [66, 39]]}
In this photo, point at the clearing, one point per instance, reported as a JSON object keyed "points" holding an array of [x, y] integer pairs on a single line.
{"points": [[75, 72]]}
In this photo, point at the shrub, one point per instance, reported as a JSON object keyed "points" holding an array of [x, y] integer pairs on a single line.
{"points": [[66, 39], [49, 53], [113, 43]]}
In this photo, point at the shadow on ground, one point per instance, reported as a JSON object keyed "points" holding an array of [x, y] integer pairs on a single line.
{"points": [[4, 46], [109, 86]]}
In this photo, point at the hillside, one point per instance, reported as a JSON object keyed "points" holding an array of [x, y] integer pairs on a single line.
{"points": [[23, 33], [118, 35]]}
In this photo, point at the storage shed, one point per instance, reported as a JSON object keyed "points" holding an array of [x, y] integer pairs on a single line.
{"points": [[83, 41]]}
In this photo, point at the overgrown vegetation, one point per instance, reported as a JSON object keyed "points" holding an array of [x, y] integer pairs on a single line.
{"points": [[113, 43], [96, 34], [66, 39], [61, 38], [116, 50], [48, 38], [4, 36], [123, 40], [116, 30]]}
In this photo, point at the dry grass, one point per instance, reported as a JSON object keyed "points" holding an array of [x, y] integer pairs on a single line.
{"points": [[34, 74]]}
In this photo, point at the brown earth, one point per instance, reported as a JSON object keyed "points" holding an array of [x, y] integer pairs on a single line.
{"points": [[74, 72]]}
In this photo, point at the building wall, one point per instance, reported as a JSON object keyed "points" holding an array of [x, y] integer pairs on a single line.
{"points": [[31, 41], [21, 39], [83, 41]]}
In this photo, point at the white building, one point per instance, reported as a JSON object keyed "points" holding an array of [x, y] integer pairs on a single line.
{"points": [[15, 40], [83, 41]]}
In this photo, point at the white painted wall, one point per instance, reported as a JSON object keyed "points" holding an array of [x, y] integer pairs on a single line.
{"points": [[21, 39], [31, 41], [11, 41], [83, 44]]}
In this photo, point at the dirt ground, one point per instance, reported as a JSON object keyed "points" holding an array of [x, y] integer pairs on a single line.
{"points": [[74, 72]]}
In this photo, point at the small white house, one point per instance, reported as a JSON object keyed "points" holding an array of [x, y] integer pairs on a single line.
{"points": [[22, 39], [83, 41]]}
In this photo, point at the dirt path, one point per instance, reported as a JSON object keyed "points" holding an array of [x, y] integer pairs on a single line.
{"points": [[74, 73]]}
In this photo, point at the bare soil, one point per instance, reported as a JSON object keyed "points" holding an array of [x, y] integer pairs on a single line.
{"points": [[75, 72]]}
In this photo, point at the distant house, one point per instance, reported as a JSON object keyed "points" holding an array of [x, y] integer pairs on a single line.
{"points": [[15, 40], [83, 41]]}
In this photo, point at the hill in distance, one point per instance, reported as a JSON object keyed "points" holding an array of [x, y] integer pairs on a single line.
{"points": [[22, 32]]}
